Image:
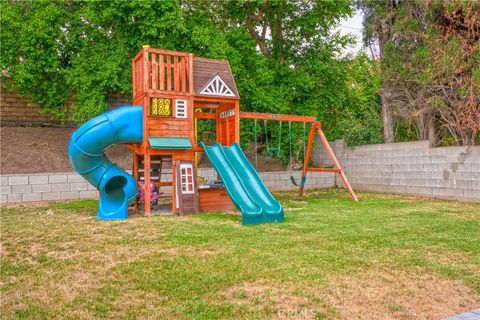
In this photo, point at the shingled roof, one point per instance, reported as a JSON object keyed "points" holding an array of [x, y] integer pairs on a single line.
{"points": [[204, 72]]}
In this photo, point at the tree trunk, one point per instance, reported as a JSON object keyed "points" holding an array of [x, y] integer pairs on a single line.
{"points": [[432, 137], [467, 138], [384, 36], [388, 133]]}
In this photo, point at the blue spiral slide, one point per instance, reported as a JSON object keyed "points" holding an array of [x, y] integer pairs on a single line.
{"points": [[87, 154]]}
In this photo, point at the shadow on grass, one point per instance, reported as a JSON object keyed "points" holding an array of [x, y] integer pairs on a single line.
{"points": [[219, 216]]}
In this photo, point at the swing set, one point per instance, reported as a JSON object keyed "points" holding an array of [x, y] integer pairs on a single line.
{"points": [[315, 127]]}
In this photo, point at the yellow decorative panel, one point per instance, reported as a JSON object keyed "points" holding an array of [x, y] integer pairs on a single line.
{"points": [[161, 107]]}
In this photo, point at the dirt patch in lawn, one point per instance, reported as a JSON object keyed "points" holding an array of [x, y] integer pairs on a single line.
{"points": [[399, 295], [282, 300]]}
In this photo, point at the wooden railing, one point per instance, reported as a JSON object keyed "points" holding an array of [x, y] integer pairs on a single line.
{"points": [[162, 71]]}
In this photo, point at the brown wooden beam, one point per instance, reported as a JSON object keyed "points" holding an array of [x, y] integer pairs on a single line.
{"points": [[336, 164], [277, 117], [204, 115], [200, 98], [163, 184], [167, 52], [323, 170], [308, 152]]}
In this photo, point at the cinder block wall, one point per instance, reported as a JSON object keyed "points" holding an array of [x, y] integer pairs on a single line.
{"points": [[44, 187], [68, 186], [409, 168], [405, 168]]}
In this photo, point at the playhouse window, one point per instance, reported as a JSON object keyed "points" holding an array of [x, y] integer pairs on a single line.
{"points": [[186, 178], [181, 108], [161, 107]]}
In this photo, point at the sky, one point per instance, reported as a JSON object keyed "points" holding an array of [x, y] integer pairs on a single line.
{"points": [[353, 26]]}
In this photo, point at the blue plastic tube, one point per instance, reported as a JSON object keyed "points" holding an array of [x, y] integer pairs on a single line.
{"points": [[87, 155]]}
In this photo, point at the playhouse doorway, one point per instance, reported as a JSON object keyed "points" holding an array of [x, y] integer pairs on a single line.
{"points": [[161, 199]]}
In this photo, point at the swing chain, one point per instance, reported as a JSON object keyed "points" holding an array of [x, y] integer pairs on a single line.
{"points": [[266, 137], [279, 139], [290, 145], [304, 140], [304, 177]]}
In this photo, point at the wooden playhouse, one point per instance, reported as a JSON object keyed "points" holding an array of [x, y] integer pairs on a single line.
{"points": [[174, 89]]}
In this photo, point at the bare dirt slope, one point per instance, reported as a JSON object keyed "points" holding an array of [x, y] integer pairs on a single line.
{"points": [[42, 150], [45, 150]]}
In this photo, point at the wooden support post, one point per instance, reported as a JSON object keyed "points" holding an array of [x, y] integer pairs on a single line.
{"points": [[336, 163], [175, 183], [237, 121], [146, 181], [135, 175], [308, 152]]}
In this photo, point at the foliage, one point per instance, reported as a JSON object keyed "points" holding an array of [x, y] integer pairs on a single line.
{"points": [[429, 57], [283, 54], [363, 122], [34, 51], [55, 50]]}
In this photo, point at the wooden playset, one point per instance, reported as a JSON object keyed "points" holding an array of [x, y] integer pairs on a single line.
{"points": [[176, 89]]}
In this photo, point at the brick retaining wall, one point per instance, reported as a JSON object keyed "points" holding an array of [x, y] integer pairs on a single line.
{"points": [[18, 110], [15, 109]]}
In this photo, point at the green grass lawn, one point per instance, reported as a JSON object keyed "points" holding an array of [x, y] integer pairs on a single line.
{"points": [[386, 257]]}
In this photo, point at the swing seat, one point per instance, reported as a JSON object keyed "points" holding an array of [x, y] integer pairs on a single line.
{"points": [[302, 182]]}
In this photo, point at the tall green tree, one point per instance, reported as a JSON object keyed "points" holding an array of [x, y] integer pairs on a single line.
{"points": [[54, 51], [378, 20], [294, 68], [429, 58], [284, 54]]}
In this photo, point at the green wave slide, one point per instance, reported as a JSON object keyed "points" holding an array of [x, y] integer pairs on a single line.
{"points": [[244, 185]]}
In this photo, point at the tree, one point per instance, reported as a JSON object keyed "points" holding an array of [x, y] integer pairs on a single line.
{"points": [[379, 18], [54, 51], [35, 51], [284, 55], [295, 67], [429, 65], [455, 68]]}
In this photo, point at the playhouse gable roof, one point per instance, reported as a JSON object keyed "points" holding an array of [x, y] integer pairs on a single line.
{"points": [[213, 78]]}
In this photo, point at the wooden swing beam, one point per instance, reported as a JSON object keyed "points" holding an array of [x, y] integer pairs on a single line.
{"points": [[277, 117], [316, 127]]}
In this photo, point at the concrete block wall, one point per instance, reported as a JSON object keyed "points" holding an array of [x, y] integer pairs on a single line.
{"points": [[44, 187], [405, 168], [409, 168], [68, 186], [280, 181]]}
